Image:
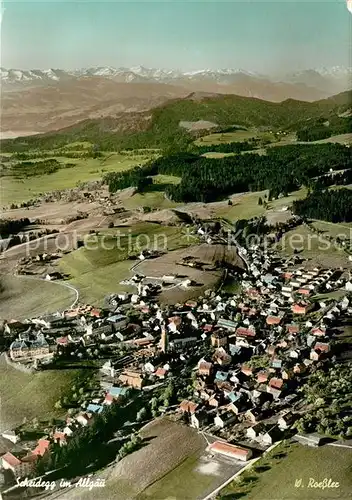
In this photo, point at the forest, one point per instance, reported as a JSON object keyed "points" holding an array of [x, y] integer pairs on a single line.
{"points": [[281, 170], [323, 128], [333, 206]]}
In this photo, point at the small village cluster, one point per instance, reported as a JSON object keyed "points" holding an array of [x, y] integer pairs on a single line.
{"points": [[254, 348]]}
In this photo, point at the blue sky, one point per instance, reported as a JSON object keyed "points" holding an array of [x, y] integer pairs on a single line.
{"points": [[262, 36]]}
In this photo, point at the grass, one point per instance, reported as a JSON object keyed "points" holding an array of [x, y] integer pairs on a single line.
{"points": [[22, 297], [236, 136], [246, 206], [152, 199], [97, 271], [182, 482], [335, 230], [85, 170], [277, 474], [31, 395]]}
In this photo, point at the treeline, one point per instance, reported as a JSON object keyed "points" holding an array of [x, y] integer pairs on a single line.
{"points": [[333, 206], [10, 227], [137, 177], [230, 147], [281, 170], [324, 128], [33, 168]]}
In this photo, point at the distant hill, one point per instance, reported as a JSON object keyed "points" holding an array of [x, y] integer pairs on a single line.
{"points": [[160, 127]]}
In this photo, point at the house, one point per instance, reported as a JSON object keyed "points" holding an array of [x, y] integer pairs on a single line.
{"points": [[95, 408], [301, 308], [293, 329], [21, 467], [322, 347], [247, 370], [273, 320], [83, 419], [198, 419], [221, 376], [42, 447], [11, 436], [269, 437], [286, 420], [132, 379], [222, 357], [230, 450], [114, 394], [276, 383], [253, 415], [188, 406], [313, 439], [224, 419], [161, 372], [218, 339], [262, 376], [254, 431], [245, 332], [205, 368], [319, 331], [60, 438]]}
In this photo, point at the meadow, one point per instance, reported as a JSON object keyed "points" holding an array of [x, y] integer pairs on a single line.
{"points": [[29, 396], [14, 190], [287, 472], [97, 268], [22, 297]]}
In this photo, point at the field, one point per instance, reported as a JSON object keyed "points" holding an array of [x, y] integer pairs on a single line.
{"points": [[313, 247], [97, 269], [205, 279], [288, 476], [171, 465], [235, 136], [30, 395], [85, 170], [23, 297], [245, 206]]}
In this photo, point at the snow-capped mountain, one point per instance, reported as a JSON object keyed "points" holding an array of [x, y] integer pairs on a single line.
{"points": [[143, 74]]}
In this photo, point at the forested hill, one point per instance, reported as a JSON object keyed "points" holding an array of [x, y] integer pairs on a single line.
{"points": [[160, 127]]}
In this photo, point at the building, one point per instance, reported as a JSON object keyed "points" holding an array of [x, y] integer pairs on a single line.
{"points": [[230, 450], [132, 379], [21, 467]]}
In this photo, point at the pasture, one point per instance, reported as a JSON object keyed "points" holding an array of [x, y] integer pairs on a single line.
{"points": [[84, 170], [29, 396], [22, 297], [97, 268], [288, 473]]}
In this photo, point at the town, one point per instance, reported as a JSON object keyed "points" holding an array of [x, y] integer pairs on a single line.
{"points": [[233, 366]]}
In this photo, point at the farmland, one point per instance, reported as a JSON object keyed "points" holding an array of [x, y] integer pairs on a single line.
{"points": [[30, 395], [16, 190], [281, 476], [23, 297], [98, 268]]}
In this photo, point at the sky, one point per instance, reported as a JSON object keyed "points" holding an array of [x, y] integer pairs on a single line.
{"points": [[257, 35]]}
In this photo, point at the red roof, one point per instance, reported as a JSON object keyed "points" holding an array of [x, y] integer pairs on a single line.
{"points": [[188, 406], [273, 320], [276, 383], [11, 459], [245, 332], [226, 448], [42, 447], [62, 340], [161, 372], [59, 436]]}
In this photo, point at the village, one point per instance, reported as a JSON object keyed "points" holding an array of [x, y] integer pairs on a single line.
{"points": [[230, 365]]}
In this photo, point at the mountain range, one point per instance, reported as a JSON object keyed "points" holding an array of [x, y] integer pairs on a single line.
{"points": [[35, 101]]}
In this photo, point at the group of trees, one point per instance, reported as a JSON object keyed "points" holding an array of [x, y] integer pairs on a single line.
{"points": [[323, 128], [10, 227], [229, 147], [333, 205], [329, 393], [281, 170]]}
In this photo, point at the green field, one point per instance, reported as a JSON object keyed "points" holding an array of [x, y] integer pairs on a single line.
{"points": [[288, 476], [246, 206], [22, 297], [31, 395], [97, 269], [85, 170]]}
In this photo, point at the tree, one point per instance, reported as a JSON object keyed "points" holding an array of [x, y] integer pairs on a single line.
{"points": [[141, 415]]}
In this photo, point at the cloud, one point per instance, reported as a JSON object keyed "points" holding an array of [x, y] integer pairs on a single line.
{"points": [[349, 5], [2, 11]]}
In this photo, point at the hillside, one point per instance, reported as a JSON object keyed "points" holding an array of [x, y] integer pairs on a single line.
{"points": [[160, 128]]}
